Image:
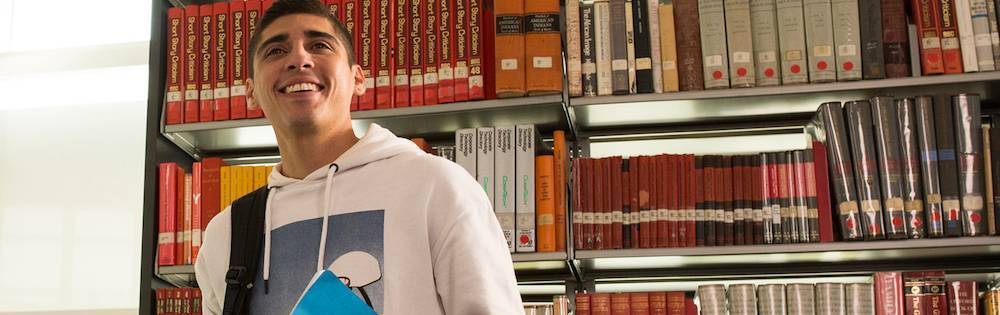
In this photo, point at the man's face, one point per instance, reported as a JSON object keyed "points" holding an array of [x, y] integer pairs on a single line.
{"points": [[302, 79]]}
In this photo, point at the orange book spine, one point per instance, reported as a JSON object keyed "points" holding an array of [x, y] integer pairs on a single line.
{"points": [[461, 86], [559, 170], [253, 15], [416, 52], [430, 52], [167, 214], [401, 66], [223, 60], [509, 44], [383, 53], [191, 63], [175, 66], [926, 19], [476, 42], [543, 49], [350, 19], [545, 203], [238, 90], [446, 51], [620, 304], [367, 46], [197, 180], [178, 213], [206, 73]]}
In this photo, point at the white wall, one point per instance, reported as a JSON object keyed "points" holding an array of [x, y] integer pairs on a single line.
{"points": [[73, 81]]}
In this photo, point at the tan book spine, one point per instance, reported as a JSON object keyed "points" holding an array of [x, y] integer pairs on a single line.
{"points": [[668, 46]]}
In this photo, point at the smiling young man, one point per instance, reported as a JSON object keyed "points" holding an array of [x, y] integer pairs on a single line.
{"points": [[406, 232]]}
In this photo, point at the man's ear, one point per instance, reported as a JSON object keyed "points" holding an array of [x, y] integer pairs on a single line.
{"points": [[251, 100], [359, 80]]}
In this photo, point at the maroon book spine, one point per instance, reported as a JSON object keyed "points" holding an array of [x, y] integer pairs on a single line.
{"points": [[963, 298], [616, 202], [582, 304], [634, 215], [888, 293], [934, 292]]}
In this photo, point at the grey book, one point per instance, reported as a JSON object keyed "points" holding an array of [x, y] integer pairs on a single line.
{"points": [[792, 41], [926, 135], [764, 22], [819, 40], [847, 39], [983, 38], [913, 193], [573, 51], [714, 53], [742, 299], [845, 193], [872, 53], [859, 299], [969, 153], [830, 299], [859, 122], [739, 39], [887, 143], [588, 48], [602, 20], [619, 48], [771, 299], [991, 7], [801, 298]]}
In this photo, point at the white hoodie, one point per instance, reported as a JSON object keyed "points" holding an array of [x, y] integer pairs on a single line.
{"points": [[423, 219]]}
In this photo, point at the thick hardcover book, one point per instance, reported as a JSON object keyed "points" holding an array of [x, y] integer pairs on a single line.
{"points": [[654, 201], [859, 298], [951, 46], [254, 14], [771, 299], [582, 304], [914, 295], [477, 49], [969, 152], [559, 169], [872, 54], [461, 44], [465, 149], [830, 298], [573, 51], [819, 40], [430, 53], [926, 135], [596, 208], [603, 185], [644, 82], [352, 25], [401, 53], [184, 228], [792, 42], [196, 209], [767, 235], [966, 35], [887, 142], [619, 47], [928, 30], [206, 74], [935, 299], [446, 49], [588, 196], [662, 200], [801, 298], [888, 293], [778, 200], [210, 188], [742, 299], [693, 185], [913, 193], [847, 39], [167, 200], [764, 23], [806, 216], [963, 297], [182, 217], [726, 223], [588, 48], [626, 204], [544, 68], [689, 61], [845, 191], [192, 61], [667, 40], [712, 299], [620, 304], [544, 205], [738, 200], [709, 189], [699, 208], [739, 37], [238, 49], [635, 213], [759, 221], [617, 221], [600, 304], [714, 51], [367, 47], [859, 120], [790, 218], [982, 36], [603, 46], [175, 66], [948, 170], [817, 230], [630, 45], [223, 60], [507, 150], [655, 55]]}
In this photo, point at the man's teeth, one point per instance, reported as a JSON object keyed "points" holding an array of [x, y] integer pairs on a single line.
{"points": [[298, 87]]}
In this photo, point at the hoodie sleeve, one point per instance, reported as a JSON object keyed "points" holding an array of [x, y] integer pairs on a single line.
{"points": [[213, 261], [473, 271]]}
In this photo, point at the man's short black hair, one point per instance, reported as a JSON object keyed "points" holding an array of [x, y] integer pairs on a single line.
{"points": [[282, 8]]}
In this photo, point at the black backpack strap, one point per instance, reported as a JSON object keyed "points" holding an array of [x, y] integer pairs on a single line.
{"points": [[247, 214]]}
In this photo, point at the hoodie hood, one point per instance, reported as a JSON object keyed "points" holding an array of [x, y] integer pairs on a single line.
{"points": [[377, 144]]}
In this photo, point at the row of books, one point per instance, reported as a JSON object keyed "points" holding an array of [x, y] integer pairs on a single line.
{"points": [[421, 53], [559, 306], [189, 201], [635, 303], [683, 200], [178, 301], [909, 167], [524, 179]]}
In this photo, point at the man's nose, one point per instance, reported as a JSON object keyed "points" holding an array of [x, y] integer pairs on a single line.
{"points": [[299, 58]]}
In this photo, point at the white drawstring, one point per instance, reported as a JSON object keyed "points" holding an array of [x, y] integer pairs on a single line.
{"points": [[327, 195], [267, 237]]}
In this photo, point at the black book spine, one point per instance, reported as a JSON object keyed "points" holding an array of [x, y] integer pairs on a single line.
{"points": [[785, 178], [948, 167], [872, 55], [643, 52], [969, 152], [913, 194], [890, 169], [626, 205], [759, 220], [619, 49], [588, 50], [859, 118], [926, 135], [845, 193], [727, 199], [738, 204], [713, 205], [699, 206]]}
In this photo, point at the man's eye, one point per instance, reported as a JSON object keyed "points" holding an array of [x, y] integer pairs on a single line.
{"points": [[273, 51], [321, 45]]}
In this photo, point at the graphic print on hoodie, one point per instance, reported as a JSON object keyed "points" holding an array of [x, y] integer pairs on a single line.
{"points": [[293, 259]]}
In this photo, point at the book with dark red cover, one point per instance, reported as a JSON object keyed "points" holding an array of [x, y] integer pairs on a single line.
{"points": [[963, 298], [600, 201], [431, 38], [658, 303], [626, 196], [477, 49], [926, 18], [543, 59], [710, 186], [947, 167], [616, 202], [933, 209], [694, 189], [934, 290], [951, 46], [607, 227], [352, 24], [175, 66], [635, 213], [969, 153], [238, 68], [663, 210], [577, 191], [489, 50], [786, 189], [676, 302], [727, 201], [210, 188], [887, 142], [266, 4], [673, 192], [819, 188], [737, 200], [895, 38], [700, 204], [383, 36], [166, 241], [401, 54], [620, 304], [638, 303], [446, 50], [461, 65], [645, 235], [582, 304], [588, 202], [888, 293], [192, 61], [206, 73], [254, 14], [223, 63], [367, 46], [914, 301], [415, 51], [774, 199], [689, 63], [654, 202], [509, 48]]}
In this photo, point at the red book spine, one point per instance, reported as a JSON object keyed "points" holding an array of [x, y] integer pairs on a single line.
{"points": [[589, 217], [951, 46], [196, 301], [191, 63], [351, 15], [644, 226], [914, 297], [446, 51], [178, 212], [582, 304], [663, 210], [367, 48], [211, 190], [196, 204], [820, 186], [935, 298], [963, 298], [616, 202], [748, 200], [223, 60], [401, 65], [708, 174], [670, 193], [639, 303], [266, 4], [726, 196], [635, 212], [253, 15], [489, 50], [384, 28], [431, 39], [676, 303], [175, 66], [238, 90], [334, 6], [680, 199], [577, 205], [608, 226], [600, 304], [785, 197], [186, 239], [693, 191], [461, 85], [888, 293], [627, 207], [476, 41], [416, 53], [657, 303], [600, 194], [166, 242], [620, 304], [654, 202], [928, 36], [738, 204], [689, 307]]}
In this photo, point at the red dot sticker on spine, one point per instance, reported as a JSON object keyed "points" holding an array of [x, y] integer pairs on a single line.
{"points": [[897, 221], [796, 68], [975, 217], [916, 222], [936, 216], [769, 72], [524, 239], [850, 223], [848, 66], [717, 74], [953, 214], [741, 72], [821, 65]]}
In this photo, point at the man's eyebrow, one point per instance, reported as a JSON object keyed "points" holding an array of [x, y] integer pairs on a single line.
{"points": [[274, 39], [319, 34]]}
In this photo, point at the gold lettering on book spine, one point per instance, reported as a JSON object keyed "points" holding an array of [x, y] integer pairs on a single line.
{"points": [[383, 37], [349, 18], [400, 52], [431, 37], [206, 51], [946, 18], [220, 51], [237, 47], [175, 67], [366, 40], [445, 32], [415, 38], [474, 39], [191, 73], [460, 31]]}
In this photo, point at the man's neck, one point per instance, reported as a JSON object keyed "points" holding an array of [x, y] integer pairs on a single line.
{"points": [[306, 152]]}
